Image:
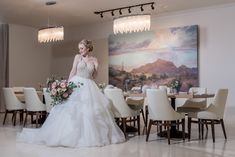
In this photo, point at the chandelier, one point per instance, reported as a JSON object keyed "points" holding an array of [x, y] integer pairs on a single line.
{"points": [[50, 33], [129, 23], [132, 23]]}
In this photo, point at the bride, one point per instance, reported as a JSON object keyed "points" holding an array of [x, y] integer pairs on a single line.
{"points": [[85, 118]]}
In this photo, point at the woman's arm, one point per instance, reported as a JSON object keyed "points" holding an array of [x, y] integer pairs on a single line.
{"points": [[74, 68]]}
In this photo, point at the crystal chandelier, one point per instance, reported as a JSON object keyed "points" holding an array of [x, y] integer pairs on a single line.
{"points": [[132, 23], [51, 34]]}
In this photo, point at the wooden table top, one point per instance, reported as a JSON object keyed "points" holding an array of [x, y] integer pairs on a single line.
{"points": [[173, 95]]}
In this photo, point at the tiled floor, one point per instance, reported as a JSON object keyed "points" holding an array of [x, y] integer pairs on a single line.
{"points": [[135, 146]]}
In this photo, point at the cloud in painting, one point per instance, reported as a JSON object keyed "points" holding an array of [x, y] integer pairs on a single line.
{"points": [[126, 43]]}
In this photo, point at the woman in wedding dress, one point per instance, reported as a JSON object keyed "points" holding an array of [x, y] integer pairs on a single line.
{"points": [[85, 118]]}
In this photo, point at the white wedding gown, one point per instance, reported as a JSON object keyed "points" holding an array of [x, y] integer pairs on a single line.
{"points": [[84, 120]]}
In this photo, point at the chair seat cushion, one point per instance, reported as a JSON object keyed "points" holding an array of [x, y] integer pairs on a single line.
{"points": [[188, 109], [135, 103], [207, 115]]}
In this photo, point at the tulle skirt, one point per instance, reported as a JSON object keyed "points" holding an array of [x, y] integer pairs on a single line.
{"points": [[83, 120]]}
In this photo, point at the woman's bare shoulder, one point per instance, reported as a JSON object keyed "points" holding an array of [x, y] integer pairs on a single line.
{"points": [[77, 56], [94, 59]]}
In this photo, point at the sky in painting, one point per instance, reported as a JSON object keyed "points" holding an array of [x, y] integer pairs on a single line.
{"points": [[178, 44]]}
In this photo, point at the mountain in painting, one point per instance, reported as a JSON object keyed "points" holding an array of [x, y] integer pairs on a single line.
{"points": [[161, 66]]}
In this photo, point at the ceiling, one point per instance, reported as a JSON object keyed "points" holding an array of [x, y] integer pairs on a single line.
{"points": [[81, 12]]}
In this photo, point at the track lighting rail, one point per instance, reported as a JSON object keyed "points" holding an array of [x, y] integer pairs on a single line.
{"points": [[122, 8]]}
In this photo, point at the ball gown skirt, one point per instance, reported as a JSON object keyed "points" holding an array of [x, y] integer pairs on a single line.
{"points": [[83, 120]]}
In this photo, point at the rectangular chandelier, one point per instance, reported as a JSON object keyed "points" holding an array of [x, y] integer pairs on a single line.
{"points": [[51, 34], [129, 23], [132, 23]]}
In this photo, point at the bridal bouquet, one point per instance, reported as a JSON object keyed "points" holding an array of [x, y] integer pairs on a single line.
{"points": [[60, 90]]}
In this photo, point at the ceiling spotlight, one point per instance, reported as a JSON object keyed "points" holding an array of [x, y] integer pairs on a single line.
{"points": [[112, 13], [120, 11], [101, 15], [129, 10], [141, 8], [51, 3], [152, 7]]}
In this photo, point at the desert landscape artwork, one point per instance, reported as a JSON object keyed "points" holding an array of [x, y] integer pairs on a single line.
{"points": [[154, 58]]}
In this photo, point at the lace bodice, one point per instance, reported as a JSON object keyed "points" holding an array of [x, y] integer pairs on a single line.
{"points": [[86, 67]]}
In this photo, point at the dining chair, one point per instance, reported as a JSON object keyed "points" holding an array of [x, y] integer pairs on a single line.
{"points": [[144, 88], [213, 114], [164, 87], [48, 100], [18, 89], [193, 105], [34, 106], [160, 110], [137, 103], [13, 105], [121, 110]]}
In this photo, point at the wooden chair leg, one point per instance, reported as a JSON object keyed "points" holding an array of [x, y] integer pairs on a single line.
{"points": [[213, 130], [5, 117], [12, 118], [165, 122], [31, 118], [157, 123], [199, 129], [168, 131], [15, 115], [160, 127], [149, 128], [142, 112], [222, 124], [177, 124], [189, 128], [26, 116], [37, 117], [146, 116], [183, 128], [138, 124], [124, 126], [202, 127], [21, 116]]}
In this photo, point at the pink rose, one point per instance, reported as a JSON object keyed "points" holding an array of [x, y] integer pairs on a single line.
{"points": [[64, 81], [69, 91], [65, 95], [53, 85], [53, 92], [63, 84]]}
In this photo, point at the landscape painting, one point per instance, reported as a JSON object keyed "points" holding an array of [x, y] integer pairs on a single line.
{"points": [[154, 58]]}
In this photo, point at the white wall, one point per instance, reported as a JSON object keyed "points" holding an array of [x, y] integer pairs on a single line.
{"points": [[29, 61], [216, 50]]}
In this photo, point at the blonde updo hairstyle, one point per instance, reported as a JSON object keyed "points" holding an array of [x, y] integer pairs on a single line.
{"points": [[87, 44]]}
